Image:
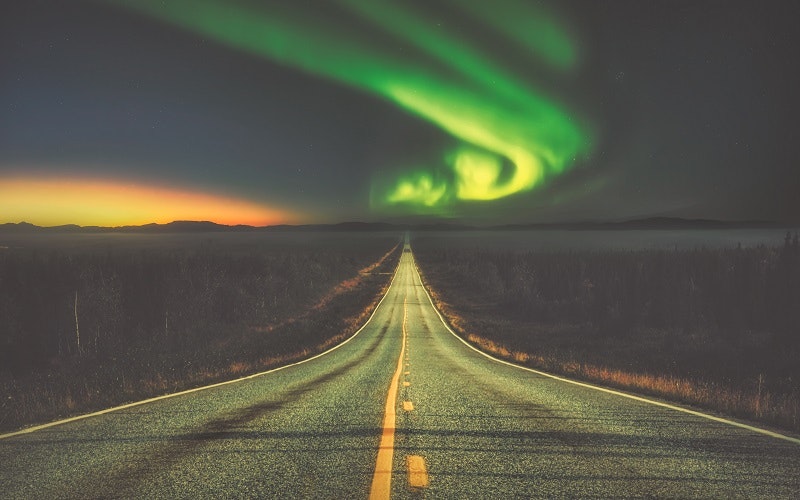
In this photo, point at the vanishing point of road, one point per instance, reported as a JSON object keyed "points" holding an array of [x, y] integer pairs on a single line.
{"points": [[403, 409]]}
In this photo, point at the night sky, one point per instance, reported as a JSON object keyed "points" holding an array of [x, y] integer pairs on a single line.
{"points": [[127, 112]]}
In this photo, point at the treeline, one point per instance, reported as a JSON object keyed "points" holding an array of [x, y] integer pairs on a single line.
{"points": [[695, 324], [113, 321], [726, 293], [718, 328]]}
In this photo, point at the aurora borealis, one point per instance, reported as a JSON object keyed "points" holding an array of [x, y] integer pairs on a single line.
{"points": [[308, 111], [494, 116]]}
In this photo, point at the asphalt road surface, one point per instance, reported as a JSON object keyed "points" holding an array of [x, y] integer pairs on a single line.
{"points": [[403, 409]]}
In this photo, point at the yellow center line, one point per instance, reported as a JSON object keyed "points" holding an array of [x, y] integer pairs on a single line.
{"points": [[406, 383], [408, 406], [382, 477]]}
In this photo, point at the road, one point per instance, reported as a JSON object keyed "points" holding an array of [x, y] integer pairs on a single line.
{"points": [[404, 408]]}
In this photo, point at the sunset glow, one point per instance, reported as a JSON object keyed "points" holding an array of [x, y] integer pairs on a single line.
{"points": [[89, 202]]}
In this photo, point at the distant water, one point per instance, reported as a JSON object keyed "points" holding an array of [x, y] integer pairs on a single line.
{"points": [[552, 240]]}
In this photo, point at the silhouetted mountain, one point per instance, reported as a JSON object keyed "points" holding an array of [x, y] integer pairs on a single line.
{"points": [[652, 223], [70, 228], [183, 226], [22, 227]]}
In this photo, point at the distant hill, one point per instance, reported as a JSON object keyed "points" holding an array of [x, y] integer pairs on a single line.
{"points": [[652, 223], [184, 226], [22, 227]]}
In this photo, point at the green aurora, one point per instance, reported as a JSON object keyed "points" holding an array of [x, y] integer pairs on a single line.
{"points": [[509, 136]]}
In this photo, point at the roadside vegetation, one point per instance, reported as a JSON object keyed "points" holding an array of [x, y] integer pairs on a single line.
{"points": [[80, 331], [716, 328]]}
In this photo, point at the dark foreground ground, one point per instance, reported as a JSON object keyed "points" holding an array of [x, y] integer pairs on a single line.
{"points": [[715, 327], [465, 427], [90, 321]]}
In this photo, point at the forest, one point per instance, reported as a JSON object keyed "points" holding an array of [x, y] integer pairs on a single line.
{"points": [[81, 330], [715, 327]]}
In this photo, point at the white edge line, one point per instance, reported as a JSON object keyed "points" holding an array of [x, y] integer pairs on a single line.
{"points": [[603, 389], [197, 389]]}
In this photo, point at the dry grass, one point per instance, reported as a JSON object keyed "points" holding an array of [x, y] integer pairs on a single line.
{"points": [[757, 404], [239, 367], [354, 282], [344, 287], [342, 310], [754, 403]]}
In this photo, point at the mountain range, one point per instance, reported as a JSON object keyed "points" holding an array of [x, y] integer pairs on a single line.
{"points": [[652, 223]]}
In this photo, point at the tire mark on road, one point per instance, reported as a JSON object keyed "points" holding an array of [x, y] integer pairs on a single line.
{"points": [[176, 448]]}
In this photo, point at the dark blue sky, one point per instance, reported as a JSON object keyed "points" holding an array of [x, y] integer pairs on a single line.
{"points": [[693, 107]]}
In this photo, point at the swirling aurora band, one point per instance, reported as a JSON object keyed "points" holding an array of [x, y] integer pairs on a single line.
{"points": [[512, 138]]}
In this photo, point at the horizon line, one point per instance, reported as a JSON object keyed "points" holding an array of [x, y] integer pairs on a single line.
{"points": [[635, 223]]}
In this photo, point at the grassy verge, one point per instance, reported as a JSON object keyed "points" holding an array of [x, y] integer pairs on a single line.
{"points": [[752, 374], [186, 350]]}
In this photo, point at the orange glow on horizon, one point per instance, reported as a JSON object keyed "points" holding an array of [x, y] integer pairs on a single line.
{"points": [[92, 202]]}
